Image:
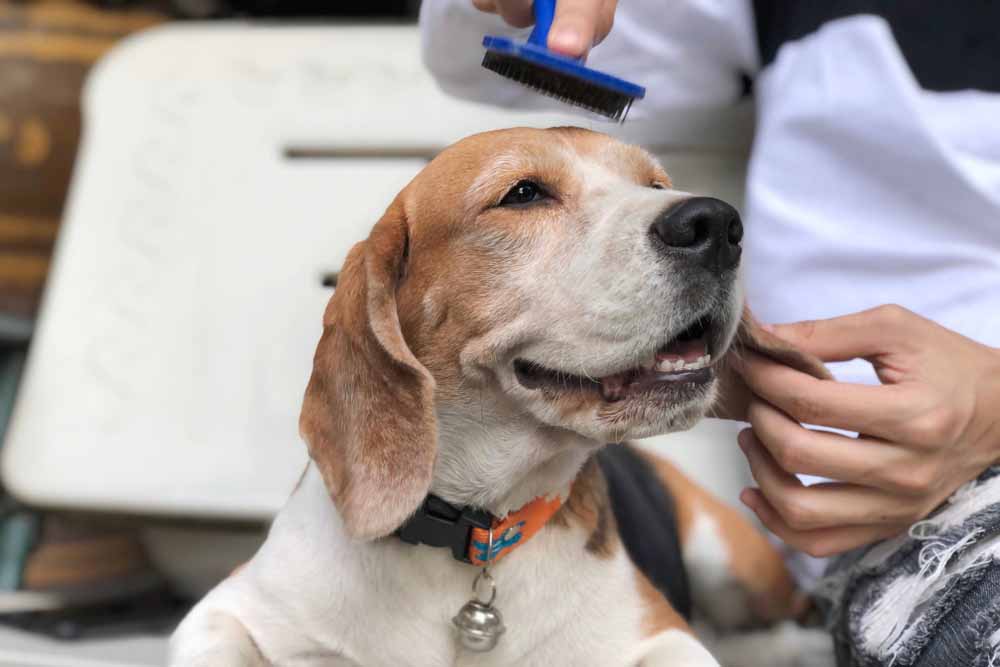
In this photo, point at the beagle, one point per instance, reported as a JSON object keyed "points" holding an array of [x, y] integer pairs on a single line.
{"points": [[530, 296]]}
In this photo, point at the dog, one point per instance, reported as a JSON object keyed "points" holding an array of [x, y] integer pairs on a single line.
{"points": [[529, 297]]}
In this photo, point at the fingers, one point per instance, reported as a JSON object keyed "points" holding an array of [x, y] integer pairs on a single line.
{"points": [[823, 505], [820, 543], [514, 12], [860, 335], [580, 24], [874, 410], [864, 461], [577, 26]]}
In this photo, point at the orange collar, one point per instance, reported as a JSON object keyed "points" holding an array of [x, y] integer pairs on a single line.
{"points": [[513, 530], [466, 530]]}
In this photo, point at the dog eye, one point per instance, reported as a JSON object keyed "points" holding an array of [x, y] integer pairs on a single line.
{"points": [[657, 186], [525, 192]]}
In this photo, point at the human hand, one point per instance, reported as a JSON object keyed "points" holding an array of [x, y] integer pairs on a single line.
{"points": [[578, 24], [932, 425]]}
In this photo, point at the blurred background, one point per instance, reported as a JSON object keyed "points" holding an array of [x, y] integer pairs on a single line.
{"points": [[179, 181]]}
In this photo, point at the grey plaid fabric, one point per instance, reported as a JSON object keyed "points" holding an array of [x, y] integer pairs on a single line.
{"points": [[930, 598]]}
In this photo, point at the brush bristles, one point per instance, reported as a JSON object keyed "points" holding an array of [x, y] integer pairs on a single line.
{"points": [[563, 87]]}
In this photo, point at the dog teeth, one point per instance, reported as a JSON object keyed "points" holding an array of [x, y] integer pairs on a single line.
{"points": [[674, 365], [668, 366]]}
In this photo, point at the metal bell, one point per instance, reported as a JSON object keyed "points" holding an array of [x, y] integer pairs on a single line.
{"points": [[478, 622], [479, 626]]}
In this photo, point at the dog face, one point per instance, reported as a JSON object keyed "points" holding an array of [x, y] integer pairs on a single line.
{"points": [[549, 275], [548, 251]]}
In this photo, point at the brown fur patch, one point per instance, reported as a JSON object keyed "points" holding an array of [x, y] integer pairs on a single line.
{"points": [[756, 563], [660, 615], [588, 505], [734, 395], [368, 413]]}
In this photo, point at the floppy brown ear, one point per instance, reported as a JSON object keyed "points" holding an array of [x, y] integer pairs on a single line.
{"points": [[734, 394], [368, 414]]}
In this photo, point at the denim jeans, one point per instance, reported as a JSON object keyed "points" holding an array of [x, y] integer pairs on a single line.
{"points": [[929, 598]]}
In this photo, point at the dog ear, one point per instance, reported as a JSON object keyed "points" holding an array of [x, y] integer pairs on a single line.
{"points": [[734, 394], [368, 414]]}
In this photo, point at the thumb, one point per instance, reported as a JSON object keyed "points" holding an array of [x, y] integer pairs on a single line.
{"points": [[577, 26], [860, 335]]}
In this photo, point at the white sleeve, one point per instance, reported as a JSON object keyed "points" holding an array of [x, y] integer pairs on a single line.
{"points": [[689, 54]]}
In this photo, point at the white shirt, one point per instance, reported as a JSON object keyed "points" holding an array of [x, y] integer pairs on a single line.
{"points": [[863, 187]]}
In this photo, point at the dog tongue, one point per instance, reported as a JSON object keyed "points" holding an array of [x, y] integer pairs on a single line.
{"points": [[688, 350]]}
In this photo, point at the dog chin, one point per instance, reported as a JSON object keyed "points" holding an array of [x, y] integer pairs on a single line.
{"points": [[645, 417], [635, 417]]}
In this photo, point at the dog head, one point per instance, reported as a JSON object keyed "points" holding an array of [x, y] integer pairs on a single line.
{"points": [[551, 275]]}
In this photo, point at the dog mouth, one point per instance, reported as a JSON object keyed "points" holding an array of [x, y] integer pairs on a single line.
{"points": [[685, 360]]}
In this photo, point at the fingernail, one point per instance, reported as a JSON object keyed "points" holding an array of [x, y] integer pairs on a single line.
{"points": [[746, 497], [566, 40], [768, 328], [743, 439]]}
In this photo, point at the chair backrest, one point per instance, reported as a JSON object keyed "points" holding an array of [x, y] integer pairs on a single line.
{"points": [[224, 170]]}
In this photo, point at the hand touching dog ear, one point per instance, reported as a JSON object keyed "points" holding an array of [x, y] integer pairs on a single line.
{"points": [[752, 338], [932, 425]]}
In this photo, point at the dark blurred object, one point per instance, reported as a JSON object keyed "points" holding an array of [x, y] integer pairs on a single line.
{"points": [[53, 561], [153, 612], [46, 49]]}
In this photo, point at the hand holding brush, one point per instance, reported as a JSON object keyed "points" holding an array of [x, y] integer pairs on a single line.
{"points": [[552, 60]]}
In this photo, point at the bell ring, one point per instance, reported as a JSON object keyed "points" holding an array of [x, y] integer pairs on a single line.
{"points": [[478, 623]]}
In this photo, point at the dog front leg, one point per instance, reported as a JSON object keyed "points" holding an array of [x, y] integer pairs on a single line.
{"points": [[784, 645], [212, 638], [738, 578], [675, 648]]}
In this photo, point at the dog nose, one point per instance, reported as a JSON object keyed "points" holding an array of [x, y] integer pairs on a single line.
{"points": [[703, 230]]}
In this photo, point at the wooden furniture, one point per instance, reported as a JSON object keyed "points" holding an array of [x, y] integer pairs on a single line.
{"points": [[46, 50]]}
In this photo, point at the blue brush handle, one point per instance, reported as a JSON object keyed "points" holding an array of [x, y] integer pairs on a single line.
{"points": [[545, 11]]}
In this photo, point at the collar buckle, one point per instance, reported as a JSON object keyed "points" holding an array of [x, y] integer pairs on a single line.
{"points": [[438, 523]]}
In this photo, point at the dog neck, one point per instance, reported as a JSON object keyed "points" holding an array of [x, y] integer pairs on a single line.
{"points": [[502, 465]]}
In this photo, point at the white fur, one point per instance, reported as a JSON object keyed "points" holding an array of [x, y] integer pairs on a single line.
{"points": [[675, 648], [311, 594], [715, 589], [784, 645]]}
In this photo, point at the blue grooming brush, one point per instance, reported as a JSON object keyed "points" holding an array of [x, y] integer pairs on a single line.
{"points": [[556, 75]]}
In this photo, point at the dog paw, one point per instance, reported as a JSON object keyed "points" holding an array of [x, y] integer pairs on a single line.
{"points": [[785, 645]]}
